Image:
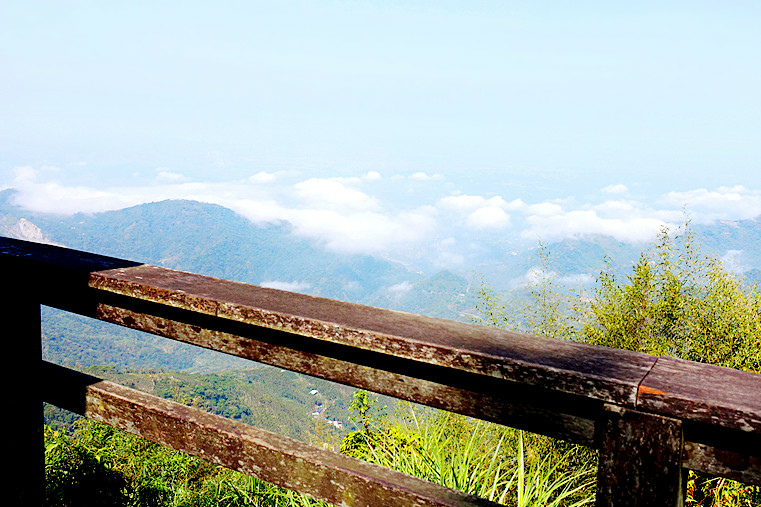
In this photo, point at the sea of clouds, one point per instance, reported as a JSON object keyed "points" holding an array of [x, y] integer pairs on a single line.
{"points": [[399, 215]]}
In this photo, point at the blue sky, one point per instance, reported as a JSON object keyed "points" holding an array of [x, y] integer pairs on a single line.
{"points": [[381, 125]]}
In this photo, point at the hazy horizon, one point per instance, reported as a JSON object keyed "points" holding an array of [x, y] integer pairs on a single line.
{"points": [[380, 126]]}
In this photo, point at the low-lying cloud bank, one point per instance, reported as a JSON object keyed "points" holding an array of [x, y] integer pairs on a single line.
{"points": [[399, 215]]}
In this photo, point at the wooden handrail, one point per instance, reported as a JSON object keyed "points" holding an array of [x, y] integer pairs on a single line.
{"points": [[662, 414], [323, 474]]}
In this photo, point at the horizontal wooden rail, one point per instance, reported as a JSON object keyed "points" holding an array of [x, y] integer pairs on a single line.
{"points": [[564, 389], [322, 474]]}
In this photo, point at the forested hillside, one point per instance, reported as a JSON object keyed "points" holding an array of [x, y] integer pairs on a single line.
{"points": [[675, 301], [215, 241], [274, 399], [688, 294], [212, 240]]}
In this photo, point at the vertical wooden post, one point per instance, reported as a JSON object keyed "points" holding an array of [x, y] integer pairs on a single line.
{"points": [[23, 418], [640, 460]]}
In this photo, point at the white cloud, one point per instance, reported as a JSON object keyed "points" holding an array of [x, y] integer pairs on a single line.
{"points": [[536, 276], [481, 213], [164, 175], [577, 279], [449, 260], [615, 189], [461, 202], [334, 194], [447, 242], [24, 174], [54, 198], [533, 277], [544, 209], [259, 210], [464, 202], [346, 214], [422, 176], [488, 217], [551, 227], [262, 177], [732, 261], [399, 289], [617, 208], [331, 211], [516, 205], [362, 232], [724, 203], [287, 286]]}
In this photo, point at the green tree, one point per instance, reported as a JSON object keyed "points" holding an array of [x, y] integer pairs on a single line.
{"points": [[677, 302], [99, 465], [682, 303], [371, 421]]}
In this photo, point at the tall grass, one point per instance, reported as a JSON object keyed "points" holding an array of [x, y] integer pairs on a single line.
{"points": [[480, 458], [494, 462], [98, 465], [539, 484]]}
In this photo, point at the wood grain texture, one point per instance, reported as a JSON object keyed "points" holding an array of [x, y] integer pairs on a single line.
{"points": [[322, 474], [640, 460], [600, 373], [703, 393], [549, 386], [734, 465], [548, 412]]}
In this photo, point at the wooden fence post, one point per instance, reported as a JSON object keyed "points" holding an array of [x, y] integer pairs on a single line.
{"points": [[24, 478], [640, 459]]}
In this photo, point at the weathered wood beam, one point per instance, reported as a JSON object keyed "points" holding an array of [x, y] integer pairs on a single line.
{"points": [[721, 408], [703, 393], [735, 465], [322, 474], [550, 386], [600, 373], [23, 479], [640, 460], [544, 411]]}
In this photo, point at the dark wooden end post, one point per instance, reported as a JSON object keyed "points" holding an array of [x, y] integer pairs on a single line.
{"points": [[640, 459], [25, 451]]}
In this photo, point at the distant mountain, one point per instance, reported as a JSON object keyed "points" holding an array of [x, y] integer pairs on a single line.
{"points": [[568, 258], [284, 402], [210, 240], [738, 243], [306, 408], [213, 240], [444, 295]]}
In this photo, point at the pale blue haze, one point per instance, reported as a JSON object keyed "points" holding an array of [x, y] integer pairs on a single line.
{"points": [[569, 115]]}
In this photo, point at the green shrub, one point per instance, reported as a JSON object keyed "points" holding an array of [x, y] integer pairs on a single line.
{"points": [[98, 465], [676, 301], [480, 458]]}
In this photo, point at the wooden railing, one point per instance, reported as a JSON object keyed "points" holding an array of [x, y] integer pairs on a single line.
{"points": [[651, 418]]}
